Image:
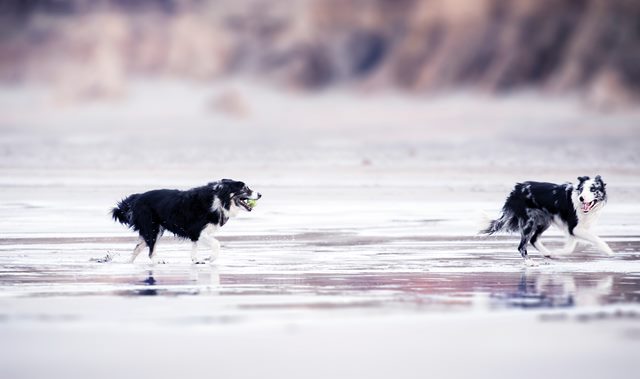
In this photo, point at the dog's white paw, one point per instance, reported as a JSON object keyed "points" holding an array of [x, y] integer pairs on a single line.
{"points": [[530, 262]]}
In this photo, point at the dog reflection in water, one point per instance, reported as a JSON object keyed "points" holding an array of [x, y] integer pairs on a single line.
{"points": [[556, 290], [205, 279]]}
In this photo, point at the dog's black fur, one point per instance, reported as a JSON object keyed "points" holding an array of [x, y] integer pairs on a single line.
{"points": [[184, 213], [532, 207]]}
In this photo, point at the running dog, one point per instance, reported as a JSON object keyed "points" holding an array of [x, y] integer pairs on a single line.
{"points": [[533, 206], [195, 214]]}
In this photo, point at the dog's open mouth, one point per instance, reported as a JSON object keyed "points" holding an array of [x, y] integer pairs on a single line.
{"points": [[586, 207], [244, 202]]}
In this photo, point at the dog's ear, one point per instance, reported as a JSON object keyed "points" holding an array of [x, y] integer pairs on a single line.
{"points": [[216, 186], [582, 178], [600, 181], [233, 185]]}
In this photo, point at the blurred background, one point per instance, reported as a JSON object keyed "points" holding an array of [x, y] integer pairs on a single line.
{"points": [[93, 49], [122, 83]]}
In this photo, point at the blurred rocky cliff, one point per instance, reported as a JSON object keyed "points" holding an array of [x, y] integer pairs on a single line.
{"points": [[93, 48]]}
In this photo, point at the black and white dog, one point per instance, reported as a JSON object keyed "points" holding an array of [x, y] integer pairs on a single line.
{"points": [[195, 214], [533, 206]]}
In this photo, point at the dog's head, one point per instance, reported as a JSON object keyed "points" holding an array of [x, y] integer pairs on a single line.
{"points": [[591, 193], [234, 195]]}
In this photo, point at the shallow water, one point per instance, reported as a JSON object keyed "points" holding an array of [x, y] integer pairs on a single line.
{"points": [[336, 243], [290, 299], [283, 266]]}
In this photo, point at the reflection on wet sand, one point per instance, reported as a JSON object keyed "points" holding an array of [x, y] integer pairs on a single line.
{"points": [[415, 291], [389, 270], [544, 290]]}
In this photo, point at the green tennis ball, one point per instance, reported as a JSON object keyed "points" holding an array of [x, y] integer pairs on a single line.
{"points": [[251, 203]]}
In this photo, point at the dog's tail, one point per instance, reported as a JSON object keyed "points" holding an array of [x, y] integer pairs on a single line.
{"points": [[122, 212], [503, 223]]}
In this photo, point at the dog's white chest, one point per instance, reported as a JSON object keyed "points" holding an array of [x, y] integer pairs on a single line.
{"points": [[587, 220]]}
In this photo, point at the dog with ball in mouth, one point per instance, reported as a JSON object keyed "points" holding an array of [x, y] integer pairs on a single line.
{"points": [[195, 214]]}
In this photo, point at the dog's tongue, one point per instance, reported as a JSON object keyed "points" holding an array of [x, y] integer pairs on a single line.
{"points": [[586, 207]]}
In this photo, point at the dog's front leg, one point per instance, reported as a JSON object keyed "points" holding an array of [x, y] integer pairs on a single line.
{"points": [[209, 235], [542, 248], [592, 238], [569, 246], [194, 253], [215, 248]]}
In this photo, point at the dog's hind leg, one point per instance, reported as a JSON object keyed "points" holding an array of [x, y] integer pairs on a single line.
{"points": [[141, 245], [535, 241], [153, 256], [151, 237], [526, 230]]}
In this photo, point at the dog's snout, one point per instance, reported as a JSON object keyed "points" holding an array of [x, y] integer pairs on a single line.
{"points": [[259, 195], [581, 198]]}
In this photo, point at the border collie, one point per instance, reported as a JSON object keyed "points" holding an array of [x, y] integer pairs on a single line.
{"points": [[533, 206], [195, 214]]}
